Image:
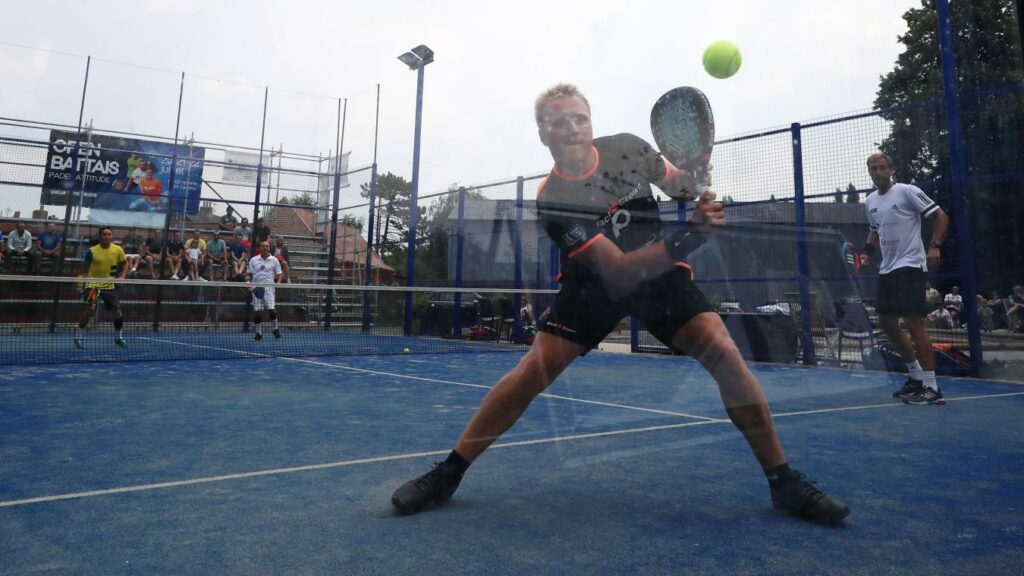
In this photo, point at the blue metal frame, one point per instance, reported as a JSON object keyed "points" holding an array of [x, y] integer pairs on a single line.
{"points": [[964, 234], [803, 260]]}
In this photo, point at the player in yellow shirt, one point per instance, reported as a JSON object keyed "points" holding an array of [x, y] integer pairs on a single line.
{"points": [[104, 260]]}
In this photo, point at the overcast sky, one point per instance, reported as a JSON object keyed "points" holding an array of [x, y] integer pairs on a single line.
{"points": [[802, 59]]}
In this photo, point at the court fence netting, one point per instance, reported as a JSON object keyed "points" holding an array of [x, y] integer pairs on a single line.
{"points": [[183, 320]]}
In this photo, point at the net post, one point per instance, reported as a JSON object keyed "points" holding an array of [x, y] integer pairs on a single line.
{"points": [[170, 204], [517, 323], [962, 220], [803, 260], [460, 240], [335, 199], [369, 248]]}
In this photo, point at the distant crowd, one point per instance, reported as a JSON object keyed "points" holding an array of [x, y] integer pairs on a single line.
{"points": [[221, 254], [996, 312]]}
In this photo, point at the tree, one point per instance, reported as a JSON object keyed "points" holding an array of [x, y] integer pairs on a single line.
{"points": [[852, 195], [986, 46], [392, 215], [351, 221], [304, 199], [838, 196]]}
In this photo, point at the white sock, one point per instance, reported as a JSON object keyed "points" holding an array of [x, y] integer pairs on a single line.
{"points": [[929, 380], [275, 323], [259, 328], [915, 370]]}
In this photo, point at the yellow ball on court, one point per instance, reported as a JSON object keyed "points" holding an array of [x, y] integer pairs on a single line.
{"points": [[406, 351], [722, 59]]}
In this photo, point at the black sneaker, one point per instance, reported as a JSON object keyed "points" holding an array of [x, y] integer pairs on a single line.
{"points": [[257, 337], [120, 343], [911, 386], [799, 497], [925, 396], [277, 334], [434, 487]]}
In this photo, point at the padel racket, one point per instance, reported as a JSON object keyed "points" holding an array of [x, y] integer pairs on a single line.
{"points": [[684, 130], [260, 294]]}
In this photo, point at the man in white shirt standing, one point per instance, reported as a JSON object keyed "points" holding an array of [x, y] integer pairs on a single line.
{"points": [[894, 215], [263, 269]]}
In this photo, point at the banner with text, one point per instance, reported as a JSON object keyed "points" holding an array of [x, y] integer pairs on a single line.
{"points": [[126, 175]]}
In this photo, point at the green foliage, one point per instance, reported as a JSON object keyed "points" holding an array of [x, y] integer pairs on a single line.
{"points": [[304, 199], [852, 195]]}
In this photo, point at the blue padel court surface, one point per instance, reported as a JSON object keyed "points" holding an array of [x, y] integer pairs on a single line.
{"points": [[627, 465]]}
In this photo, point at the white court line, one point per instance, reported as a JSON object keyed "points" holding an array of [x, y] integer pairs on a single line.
{"points": [[452, 382], [339, 464], [342, 463]]}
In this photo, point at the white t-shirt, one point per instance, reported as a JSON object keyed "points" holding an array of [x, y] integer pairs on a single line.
{"points": [[16, 241], [264, 270], [896, 217], [137, 175], [954, 300]]}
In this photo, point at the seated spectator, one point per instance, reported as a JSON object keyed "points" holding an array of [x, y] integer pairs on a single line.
{"points": [[954, 302], [150, 252], [195, 256], [48, 247], [932, 296], [984, 313], [998, 307], [217, 257], [940, 318], [245, 231], [19, 246], [132, 246], [280, 251], [1015, 309], [239, 257], [261, 232], [228, 221], [173, 253]]}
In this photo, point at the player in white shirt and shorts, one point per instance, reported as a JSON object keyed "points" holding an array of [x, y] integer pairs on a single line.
{"points": [[263, 269], [894, 215]]}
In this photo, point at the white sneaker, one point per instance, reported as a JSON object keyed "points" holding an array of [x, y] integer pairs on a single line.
{"points": [[201, 279], [174, 277]]}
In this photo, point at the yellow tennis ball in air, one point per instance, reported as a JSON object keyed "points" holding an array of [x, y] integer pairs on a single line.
{"points": [[406, 351], [722, 59]]}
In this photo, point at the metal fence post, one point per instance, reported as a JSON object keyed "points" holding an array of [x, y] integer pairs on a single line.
{"points": [[964, 234], [803, 261]]}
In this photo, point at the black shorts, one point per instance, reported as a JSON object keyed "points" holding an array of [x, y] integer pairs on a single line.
{"points": [[109, 297], [902, 293], [584, 313]]}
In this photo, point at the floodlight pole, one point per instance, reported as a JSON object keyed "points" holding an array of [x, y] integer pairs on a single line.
{"points": [[417, 58]]}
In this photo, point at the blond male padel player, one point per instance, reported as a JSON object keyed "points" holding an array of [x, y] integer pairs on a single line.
{"points": [[598, 207], [104, 260]]}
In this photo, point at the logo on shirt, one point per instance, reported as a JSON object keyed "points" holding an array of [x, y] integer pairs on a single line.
{"points": [[575, 235]]}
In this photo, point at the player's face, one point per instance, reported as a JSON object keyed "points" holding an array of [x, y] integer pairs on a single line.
{"points": [[880, 172], [106, 237], [264, 249], [566, 130]]}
